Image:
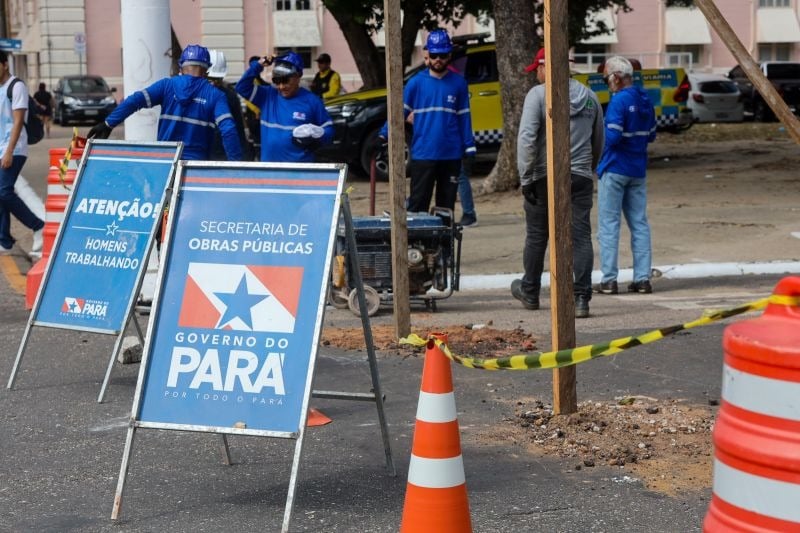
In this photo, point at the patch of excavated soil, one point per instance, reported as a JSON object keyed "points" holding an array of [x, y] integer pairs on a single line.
{"points": [[665, 443], [462, 339]]}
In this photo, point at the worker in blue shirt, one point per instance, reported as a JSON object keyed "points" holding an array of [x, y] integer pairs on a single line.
{"points": [[436, 102], [191, 109], [294, 121]]}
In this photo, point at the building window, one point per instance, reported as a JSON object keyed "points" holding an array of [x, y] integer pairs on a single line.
{"points": [[774, 51], [684, 55], [589, 56], [288, 5], [303, 52]]}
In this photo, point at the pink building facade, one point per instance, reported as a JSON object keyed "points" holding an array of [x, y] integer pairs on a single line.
{"points": [[658, 36]]}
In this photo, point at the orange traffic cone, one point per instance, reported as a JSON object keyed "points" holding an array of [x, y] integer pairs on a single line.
{"points": [[317, 418], [436, 494]]}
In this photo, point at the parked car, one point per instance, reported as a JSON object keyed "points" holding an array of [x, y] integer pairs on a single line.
{"points": [[358, 116], [714, 98], [784, 75], [82, 99]]}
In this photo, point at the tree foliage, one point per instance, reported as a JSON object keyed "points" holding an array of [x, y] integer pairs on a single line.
{"points": [[360, 20]]}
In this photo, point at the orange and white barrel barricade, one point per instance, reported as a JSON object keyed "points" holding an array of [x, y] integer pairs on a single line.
{"points": [[757, 432], [59, 187], [436, 493]]}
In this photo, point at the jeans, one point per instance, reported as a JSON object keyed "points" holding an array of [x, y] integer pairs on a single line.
{"points": [[11, 204], [537, 235], [622, 194], [465, 192], [427, 173]]}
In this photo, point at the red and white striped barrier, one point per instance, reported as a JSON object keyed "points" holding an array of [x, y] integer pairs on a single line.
{"points": [[757, 432], [58, 190]]}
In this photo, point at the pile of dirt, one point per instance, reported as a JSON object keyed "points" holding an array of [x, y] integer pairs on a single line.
{"points": [[469, 340], [665, 443]]}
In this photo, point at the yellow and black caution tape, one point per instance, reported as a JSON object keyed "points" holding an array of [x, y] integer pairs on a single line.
{"points": [[573, 356], [64, 166]]}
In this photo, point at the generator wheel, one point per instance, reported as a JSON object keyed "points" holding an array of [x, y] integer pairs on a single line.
{"points": [[372, 297], [337, 298]]}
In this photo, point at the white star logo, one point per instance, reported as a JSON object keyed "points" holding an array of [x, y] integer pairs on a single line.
{"points": [[111, 228]]}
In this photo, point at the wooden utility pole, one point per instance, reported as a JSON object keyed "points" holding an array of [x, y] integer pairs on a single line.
{"points": [[750, 67], [397, 167], [559, 199]]}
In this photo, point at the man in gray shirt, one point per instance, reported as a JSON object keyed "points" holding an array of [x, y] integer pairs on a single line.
{"points": [[586, 145]]}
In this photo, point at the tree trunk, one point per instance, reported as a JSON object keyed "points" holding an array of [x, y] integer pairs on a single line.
{"points": [[365, 53], [413, 12], [514, 21]]}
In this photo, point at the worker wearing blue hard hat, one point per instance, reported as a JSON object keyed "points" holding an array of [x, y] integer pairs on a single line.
{"points": [[191, 109], [294, 121], [436, 103]]}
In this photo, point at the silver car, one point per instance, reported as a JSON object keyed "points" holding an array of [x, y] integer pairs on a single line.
{"points": [[714, 98]]}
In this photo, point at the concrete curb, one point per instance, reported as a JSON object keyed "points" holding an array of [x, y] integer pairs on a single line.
{"points": [[686, 271]]}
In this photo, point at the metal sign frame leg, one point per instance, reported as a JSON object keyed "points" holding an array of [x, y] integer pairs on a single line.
{"points": [[123, 472], [131, 317], [22, 345], [298, 451], [139, 332], [114, 353], [362, 305], [226, 451]]}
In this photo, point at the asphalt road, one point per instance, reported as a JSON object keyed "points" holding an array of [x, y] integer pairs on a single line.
{"points": [[61, 450]]}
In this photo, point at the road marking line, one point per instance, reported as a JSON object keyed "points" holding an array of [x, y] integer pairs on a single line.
{"points": [[12, 274]]}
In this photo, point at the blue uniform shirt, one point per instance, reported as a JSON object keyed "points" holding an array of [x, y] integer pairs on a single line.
{"points": [[630, 125], [442, 120], [280, 116], [191, 110]]}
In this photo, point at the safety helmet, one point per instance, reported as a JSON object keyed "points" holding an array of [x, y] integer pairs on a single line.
{"points": [[219, 67], [194, 54], [439, 42], [288, 64]]}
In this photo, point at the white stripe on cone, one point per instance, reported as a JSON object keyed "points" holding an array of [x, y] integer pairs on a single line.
{"points": [[54, 216], [766, 396], [769, 497], [436, 473], [436, 407]]}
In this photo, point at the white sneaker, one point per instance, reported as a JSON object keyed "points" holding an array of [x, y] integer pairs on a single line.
{"points": [[38, 241]]}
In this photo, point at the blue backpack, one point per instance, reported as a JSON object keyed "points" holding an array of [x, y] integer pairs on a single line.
{"points": [[33, 126]]}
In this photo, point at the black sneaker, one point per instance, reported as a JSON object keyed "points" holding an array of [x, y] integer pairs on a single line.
{"points": [[642, 287], [581, 306], [468, 221], [608, 287], [529, 301]]}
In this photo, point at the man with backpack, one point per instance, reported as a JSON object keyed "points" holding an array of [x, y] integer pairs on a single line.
{"points": [[14, 150]]}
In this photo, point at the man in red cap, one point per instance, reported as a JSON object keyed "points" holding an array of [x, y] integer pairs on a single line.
{"points": [[586, 145]]}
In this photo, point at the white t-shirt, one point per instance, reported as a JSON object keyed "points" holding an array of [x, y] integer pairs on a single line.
{"points": [[19, 100]]}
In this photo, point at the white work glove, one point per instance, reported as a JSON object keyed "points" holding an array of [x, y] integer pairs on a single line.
{"points": [[307, 136], [308, 130]]}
